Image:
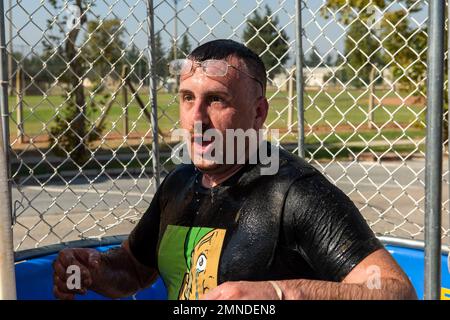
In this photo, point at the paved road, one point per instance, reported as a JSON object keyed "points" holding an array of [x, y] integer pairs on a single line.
{"points": [[390, 196]]}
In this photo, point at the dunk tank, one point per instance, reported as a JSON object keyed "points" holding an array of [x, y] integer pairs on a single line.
{"points": [[63, 184]]}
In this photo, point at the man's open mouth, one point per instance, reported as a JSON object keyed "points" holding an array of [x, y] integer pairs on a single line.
{"points": [[201, 145]]}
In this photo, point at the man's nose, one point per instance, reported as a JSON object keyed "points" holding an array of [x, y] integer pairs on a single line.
{"points": [[200, 112]]}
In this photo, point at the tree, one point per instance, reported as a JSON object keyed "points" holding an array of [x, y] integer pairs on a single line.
{"points": [[314, 59], [185, 46], [161, 68], [264, 37], [395, 41], [341, 73], [70, 133], [138, 64], [329, 61], [362, 49], [368, 51], [406, 48], [364, 55], [138, 61], [103, 49], [181, 51]]}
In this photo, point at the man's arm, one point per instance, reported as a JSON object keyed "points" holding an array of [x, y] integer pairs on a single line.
{"points": [[114, 273], [121, 274], [376, 277]]}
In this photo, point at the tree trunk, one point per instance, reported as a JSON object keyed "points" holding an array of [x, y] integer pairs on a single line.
{"points": [[78, 124]]}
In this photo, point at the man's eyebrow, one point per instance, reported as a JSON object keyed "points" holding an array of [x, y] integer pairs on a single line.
{"points": [[207, 93], [219, 92]]}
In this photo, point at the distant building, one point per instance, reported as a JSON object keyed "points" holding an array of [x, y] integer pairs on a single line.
{"points": [[313, 77], [318, 76]]}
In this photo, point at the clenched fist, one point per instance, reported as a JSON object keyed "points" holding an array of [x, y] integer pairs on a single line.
{"points": [[74, 272]]}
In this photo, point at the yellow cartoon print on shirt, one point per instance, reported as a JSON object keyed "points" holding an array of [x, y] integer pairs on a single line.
{"points": [[202, 263]]}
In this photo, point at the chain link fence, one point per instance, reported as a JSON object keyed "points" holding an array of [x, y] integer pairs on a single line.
{"points": [[86, 103]]}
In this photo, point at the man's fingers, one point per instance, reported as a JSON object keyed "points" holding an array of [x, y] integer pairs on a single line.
{"points": [[62, 295], [63, 287], [59, 269], [214, 294], [86, 278], [76, 270], [66, 257], [73, 272], [85, 255], [94, 260]]}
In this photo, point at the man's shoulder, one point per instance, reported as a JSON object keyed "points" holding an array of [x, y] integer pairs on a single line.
{"points": [[290, 169], [293, 167], [307, 181], [302, 177]]}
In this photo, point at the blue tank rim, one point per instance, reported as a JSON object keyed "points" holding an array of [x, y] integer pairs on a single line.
{"points": [[55, 248], [410, 244], [115, 240]]}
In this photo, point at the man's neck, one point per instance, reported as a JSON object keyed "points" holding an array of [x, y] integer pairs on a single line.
{"points": [[210, 180]]}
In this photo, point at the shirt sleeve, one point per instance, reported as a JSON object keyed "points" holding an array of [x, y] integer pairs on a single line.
{"points": [[144, 237], [326, 228]]}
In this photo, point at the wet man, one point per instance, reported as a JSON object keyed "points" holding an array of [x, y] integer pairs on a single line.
{"points": [[224, 229]]}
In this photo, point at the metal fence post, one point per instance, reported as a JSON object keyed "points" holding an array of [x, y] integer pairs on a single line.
{"points": [[7, 274], [299, 78], [448, 115], [153, 87], [433, 160]]}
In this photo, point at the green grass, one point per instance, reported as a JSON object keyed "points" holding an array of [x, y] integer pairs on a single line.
{"points": [[339, 152], [341, 109], [330, 119]]}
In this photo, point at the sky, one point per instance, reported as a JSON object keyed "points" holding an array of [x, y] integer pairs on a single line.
{"points": [[204, 20]]}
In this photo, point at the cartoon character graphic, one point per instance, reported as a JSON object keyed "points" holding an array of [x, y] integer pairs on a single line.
{"points": [[202, 263]]}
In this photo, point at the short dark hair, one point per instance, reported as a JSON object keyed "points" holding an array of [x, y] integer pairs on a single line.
{"points": [[224, 48]]}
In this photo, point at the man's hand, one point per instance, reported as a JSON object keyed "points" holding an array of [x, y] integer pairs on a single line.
{"points": [[243, 290], [88, 262], [114, 273]]}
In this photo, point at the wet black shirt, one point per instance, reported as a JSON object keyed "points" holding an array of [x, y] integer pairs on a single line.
{"points": [[291, 225]]}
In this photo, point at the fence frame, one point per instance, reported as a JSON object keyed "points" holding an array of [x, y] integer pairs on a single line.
{"points": [[299, 83], [7, 272], [433, 163], [433, 160], [153, 94]]}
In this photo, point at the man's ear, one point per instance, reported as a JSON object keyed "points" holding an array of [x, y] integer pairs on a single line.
{"points": [[262, 109]]}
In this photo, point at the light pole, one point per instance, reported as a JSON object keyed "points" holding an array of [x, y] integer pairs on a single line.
{"points": [[10, 49], [175, 31], [175, 38]]}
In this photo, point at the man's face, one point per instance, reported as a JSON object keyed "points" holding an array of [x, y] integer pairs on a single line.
{"points": [[233, 101]]}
